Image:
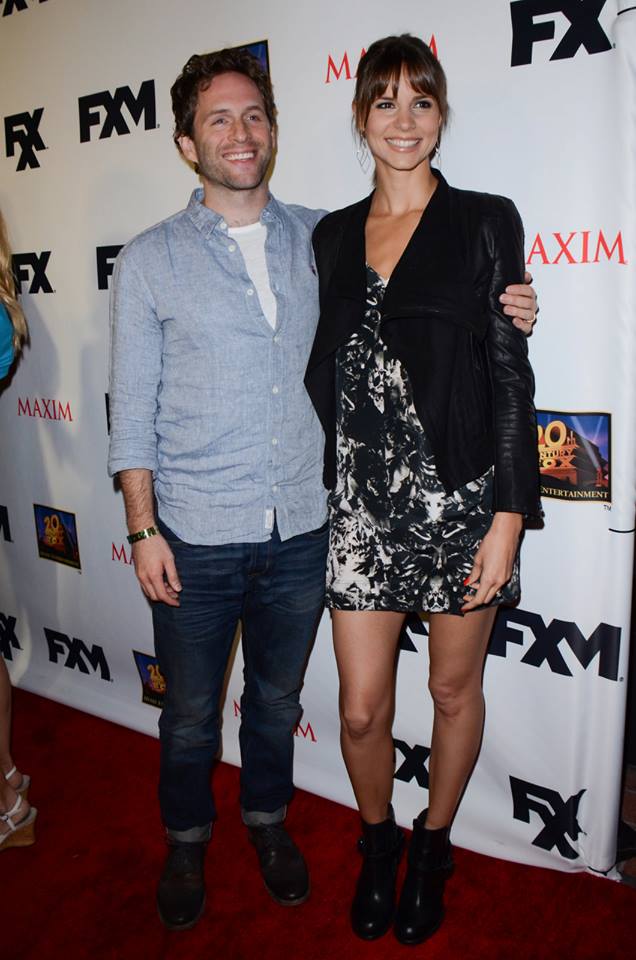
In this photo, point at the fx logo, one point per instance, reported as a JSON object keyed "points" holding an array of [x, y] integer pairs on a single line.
{"points": [[10, 6], [77, 655], [5, 529], [584, 30], [105, 263], [559, 816], [8, 639], [22, 130], [413, 625], [604, 641], [25, 264], [142, 105], [414, 764]]}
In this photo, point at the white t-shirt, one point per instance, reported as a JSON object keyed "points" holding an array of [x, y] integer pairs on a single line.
{"points": [[251, 240]]}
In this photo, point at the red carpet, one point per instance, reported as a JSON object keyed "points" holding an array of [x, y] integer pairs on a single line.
{"points": [[86, 889]]}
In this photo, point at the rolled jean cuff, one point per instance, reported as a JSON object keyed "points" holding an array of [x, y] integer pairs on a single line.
{"points": [[192, 835], [262, 818]]}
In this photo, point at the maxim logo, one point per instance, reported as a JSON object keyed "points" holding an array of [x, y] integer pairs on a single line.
{"points": [[105, 263], [5, 529], [11, 6], [105, 110], [44, 409], [21, 130], [559, 816], [121, 555], [306, 732], [414, 765], [520, 626], [584, 29], [76, 655], [8, 640], [580, 246], [340, 69], [30, 268]]}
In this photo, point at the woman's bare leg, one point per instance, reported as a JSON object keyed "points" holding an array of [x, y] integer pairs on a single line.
{"points": [[6, 761], [457, 648], [8, 795], [365, 643]]}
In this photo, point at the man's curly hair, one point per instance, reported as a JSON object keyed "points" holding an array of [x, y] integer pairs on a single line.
{"points": [[197, 75]]}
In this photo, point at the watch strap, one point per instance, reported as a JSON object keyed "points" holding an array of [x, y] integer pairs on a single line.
{"points": [[142, 534]]}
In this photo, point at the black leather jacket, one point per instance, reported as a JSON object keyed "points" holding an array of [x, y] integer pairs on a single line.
{"points": [[467, 364]]}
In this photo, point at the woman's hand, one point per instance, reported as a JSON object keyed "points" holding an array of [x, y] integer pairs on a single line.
{"points": [[494, 560]]}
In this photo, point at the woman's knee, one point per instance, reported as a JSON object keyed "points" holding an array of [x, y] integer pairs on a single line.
{"points": [[361, 720], [452, 695]]}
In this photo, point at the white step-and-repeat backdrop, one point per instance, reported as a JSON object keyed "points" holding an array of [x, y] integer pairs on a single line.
{"points": [[543, 96]]}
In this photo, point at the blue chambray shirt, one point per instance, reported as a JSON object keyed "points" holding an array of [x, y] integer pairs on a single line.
{"points": [[203, 392]]}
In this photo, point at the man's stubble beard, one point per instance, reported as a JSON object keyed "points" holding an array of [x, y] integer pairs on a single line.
{"points": [[215, 173]]}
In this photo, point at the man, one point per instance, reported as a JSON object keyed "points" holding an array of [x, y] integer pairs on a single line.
{"points": [[214, 312]]}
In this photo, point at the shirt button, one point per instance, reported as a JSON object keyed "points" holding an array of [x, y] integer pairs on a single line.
{"points": [[223, 225], [275, 488], [274, 389], [276, 339], [232, 247], [274, 441], [250, 292]]}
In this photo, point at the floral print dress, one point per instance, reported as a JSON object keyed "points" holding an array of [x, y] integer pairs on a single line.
{"points": [[398, 541]]}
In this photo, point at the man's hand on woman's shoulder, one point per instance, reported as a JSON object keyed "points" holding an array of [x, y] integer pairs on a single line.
{"points": [[520, 303]]}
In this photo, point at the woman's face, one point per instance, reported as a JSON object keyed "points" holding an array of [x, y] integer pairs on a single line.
{"points": [[402, 130]]}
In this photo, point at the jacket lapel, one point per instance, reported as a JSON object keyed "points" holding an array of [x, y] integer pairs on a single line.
{"points": [[431, 279], [344, 293]]}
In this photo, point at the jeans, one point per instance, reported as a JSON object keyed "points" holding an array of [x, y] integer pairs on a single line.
{"points": [[276, 589]]}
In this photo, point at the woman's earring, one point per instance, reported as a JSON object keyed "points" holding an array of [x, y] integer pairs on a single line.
{"points": [[437, 153], [363, 155]]}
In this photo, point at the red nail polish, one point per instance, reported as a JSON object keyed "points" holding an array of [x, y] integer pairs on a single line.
{"points": [[467, 581]]}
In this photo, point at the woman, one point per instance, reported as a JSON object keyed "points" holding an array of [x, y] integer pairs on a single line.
{"points": [[17, 818], [424, 390]]}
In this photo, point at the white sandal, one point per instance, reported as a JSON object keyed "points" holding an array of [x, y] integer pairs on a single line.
{"points": [[20, 834], [23, 786]]}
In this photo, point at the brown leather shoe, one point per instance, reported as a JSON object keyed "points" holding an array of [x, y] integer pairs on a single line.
{"points": [[181, 890], [282, 866]]}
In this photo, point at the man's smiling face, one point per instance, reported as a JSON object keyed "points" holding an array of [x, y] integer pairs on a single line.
{"points": [[232, 140]]}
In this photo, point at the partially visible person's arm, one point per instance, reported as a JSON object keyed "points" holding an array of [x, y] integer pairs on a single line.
{"points": [[153, 558], [135, 375], [516, 479], [7, 353]]}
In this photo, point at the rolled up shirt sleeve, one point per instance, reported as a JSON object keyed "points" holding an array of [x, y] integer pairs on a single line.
{"points": [[135, 367]]}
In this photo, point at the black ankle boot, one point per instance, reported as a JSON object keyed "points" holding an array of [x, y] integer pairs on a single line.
{"points": [[381, 846], [181, 890], [421, 907]]}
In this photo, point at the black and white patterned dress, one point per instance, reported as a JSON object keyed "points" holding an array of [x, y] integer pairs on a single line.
{"points": [[398, 541]]}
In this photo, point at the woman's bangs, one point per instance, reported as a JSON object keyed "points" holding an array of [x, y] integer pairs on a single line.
{"points": [[388, 70]]}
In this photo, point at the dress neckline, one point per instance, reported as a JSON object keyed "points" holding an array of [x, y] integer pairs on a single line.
{"points": [[382, 280]]}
